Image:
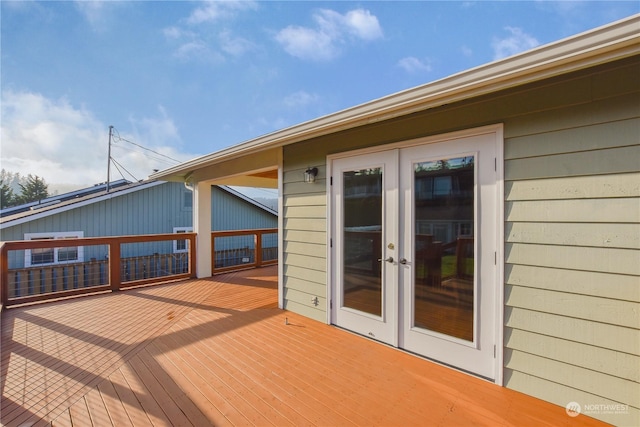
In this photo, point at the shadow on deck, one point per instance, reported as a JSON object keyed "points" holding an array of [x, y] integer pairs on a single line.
{"points": [[219, 352]]}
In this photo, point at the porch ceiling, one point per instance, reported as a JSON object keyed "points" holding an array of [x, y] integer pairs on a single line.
{"points": [[266, 179], [254, 169]]}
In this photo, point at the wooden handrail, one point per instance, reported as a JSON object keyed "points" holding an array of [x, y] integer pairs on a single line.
{"points": [[257, 244], [114, 260]]}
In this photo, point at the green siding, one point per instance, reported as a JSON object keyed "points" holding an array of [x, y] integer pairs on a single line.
{"points": [[572, 227]]}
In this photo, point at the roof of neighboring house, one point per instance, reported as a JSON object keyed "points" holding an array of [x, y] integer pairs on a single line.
{"points": [[611, 42], [61, 203], [58, 198], [247, 199]]}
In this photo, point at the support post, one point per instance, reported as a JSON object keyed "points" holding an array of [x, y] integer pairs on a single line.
{"points": [[202, 227]]}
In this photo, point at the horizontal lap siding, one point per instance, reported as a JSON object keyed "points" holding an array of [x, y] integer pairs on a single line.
{"points": [[305, 237], [572, 251], [572, 231]]}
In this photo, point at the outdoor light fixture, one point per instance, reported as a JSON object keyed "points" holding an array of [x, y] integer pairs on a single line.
{"points": [[310, 175]]}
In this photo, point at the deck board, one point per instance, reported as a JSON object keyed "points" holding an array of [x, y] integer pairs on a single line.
{"points": [[219, 352]]}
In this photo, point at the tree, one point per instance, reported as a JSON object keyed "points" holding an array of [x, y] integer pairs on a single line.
{"points": [[33, 190], [12, 180], [6, 195]]}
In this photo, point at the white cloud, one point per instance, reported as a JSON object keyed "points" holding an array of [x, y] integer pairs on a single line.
{"points": [[194, 40], [300, 99], [199, 51], [332, 31], [363, 25], [98, 13], [414, 65], [517, 41], [175, 33], [306, 43], [212, 11], [232, 45], [67, 145]]}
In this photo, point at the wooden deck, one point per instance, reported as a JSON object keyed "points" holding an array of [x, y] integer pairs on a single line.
{"points": [[220, 352]]}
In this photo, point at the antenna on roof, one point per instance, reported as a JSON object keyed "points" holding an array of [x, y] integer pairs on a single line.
{"points": [[109, 158]]}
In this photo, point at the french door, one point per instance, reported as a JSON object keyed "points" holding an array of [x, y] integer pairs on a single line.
{"points": [[414, 247]]}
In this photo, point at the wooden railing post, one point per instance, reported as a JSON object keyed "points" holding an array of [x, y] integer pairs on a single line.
{"points": [[4, 276], [192, 256], [114, 266], [258, 261], [258, 246]]}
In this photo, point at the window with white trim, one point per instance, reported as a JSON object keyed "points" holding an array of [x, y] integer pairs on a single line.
{"points": [[51, 256], [180, 246], [187, 200]]}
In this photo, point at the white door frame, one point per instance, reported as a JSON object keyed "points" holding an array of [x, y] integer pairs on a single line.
{"points": [[497, 130], [384, 327]]}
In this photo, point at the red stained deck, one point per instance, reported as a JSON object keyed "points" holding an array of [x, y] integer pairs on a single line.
{"points": [[219, 352]]}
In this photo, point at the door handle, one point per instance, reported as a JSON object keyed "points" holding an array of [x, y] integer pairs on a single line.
{"points": [[389, 260], [403, 261]]}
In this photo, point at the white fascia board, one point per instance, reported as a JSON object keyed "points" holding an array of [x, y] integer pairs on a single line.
{"points": [[74, 205], [611, 42]]}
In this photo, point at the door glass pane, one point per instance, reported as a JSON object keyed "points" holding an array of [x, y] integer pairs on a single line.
{"points": [[444, 246], [362, 237]]}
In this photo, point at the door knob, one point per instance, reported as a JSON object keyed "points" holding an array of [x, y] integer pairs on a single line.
{"points": [[402, 261], [390, 259]]}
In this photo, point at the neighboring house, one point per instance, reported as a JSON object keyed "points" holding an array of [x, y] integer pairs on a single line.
{"points": [[147, 207], [488, 220]]}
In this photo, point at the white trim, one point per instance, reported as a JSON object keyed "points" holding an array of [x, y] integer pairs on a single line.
{"points": [[330, 239], [53, 236], [500, 256], [498, 131], [280, 229]]}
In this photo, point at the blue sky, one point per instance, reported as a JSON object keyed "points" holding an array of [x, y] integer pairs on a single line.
{"points": [[186, 78]]}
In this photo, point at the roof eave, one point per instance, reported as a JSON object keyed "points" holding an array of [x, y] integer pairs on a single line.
{"points": [[615, 41]]}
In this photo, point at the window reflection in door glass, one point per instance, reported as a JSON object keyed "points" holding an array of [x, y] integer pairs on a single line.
{"points": [[444, 246], [362, 237]]}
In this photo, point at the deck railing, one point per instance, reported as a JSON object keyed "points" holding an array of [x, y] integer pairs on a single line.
{"points": [[231, 250], [242, 249], [113, 272]]}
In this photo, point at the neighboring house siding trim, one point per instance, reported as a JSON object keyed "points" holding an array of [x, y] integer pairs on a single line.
{"points": [[73, 254], [180, 246]]}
